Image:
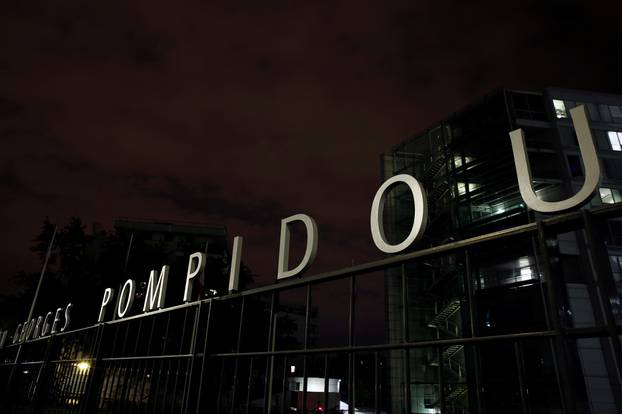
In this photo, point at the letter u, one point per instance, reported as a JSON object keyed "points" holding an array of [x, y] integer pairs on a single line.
{"points": [[590, 163]]}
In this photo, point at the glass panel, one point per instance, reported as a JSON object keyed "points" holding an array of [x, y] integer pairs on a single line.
{"points": [[614, 141], [539, 376], [458, 161], [224, 326], [257, 386], [256, 325], [290, 319], [365, 371], [606, 195], [500, 379], [461, 188], [329, 318], [560, 109], [339, 395], [370, 324]]}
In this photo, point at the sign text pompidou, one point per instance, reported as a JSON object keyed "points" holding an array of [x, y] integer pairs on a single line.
{"points": [[156, 287]]}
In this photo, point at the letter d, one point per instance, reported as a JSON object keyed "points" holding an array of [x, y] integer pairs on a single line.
{"points": [[310, 251]]}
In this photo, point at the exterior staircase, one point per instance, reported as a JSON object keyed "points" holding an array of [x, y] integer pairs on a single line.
{"points": [[457, 392], [440, 318], [449, 352], [433, 169], [438, 192]]}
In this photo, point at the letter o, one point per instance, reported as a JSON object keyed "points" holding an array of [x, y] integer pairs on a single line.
{"points": [[126, 297], [419, 223]]}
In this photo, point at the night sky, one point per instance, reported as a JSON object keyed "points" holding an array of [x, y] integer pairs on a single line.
{"points": [[241, 115]]}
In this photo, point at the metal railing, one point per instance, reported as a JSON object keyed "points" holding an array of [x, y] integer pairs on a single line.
{"points": [[196, 357]]}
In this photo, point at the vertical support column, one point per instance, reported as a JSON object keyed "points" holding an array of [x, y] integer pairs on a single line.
{"points": [[95, 380], [205, 356], [441, 378], [376, 384], [271, 346], [161, 363], [306, 346], [518, 355], [249, 385], [351, 344], [405, 338], [187, 392], [326, 380], [601, 273], [42, 376], [472, 322], [558, 342], [237, 357]]}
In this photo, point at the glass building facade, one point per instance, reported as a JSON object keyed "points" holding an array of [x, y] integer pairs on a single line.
{"points": [[465, 162]]}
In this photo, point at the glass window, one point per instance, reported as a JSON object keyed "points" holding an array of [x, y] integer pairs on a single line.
{"points": [[560, 109], [616, 267], [615, 139], [461, 188], [610, 195], [458, 161], [616, 112], [592, 110], [605, 115]]}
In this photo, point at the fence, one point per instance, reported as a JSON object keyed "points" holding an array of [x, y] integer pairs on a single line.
{"points": [[255, 352]]}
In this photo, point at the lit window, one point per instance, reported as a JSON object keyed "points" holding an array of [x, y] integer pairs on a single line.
{"points": [[610, 195], [461, 188], [615, 139], [458, 161], [560, 109]]}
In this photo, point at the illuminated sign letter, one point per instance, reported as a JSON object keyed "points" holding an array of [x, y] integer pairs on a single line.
{"points": [[590, 162], [56, 320], [236, 259], [17, 333], [37, 331], [108, 294], [156, 291], [29, 328], [126, 297], [420, 221], [46, 325], [67, 317], [310, 250], [193, 271]]}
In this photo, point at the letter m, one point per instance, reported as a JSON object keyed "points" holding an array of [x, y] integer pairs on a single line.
{"points": [[154, 296]]}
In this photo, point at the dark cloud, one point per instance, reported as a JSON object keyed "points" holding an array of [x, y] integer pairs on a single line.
{"points": [[241, 115]]}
